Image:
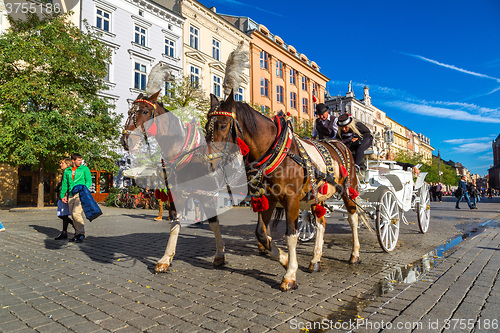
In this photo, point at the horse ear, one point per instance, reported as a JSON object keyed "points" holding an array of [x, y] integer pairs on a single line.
{"points": [[154, 97], [213, 100], [230, 98]]}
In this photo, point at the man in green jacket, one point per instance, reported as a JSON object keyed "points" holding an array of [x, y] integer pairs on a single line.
{"points": [[78, 174]]}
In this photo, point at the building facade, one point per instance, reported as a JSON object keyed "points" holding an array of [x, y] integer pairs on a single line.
{"points": [[494, 171], [404, 140], [282, 79]]}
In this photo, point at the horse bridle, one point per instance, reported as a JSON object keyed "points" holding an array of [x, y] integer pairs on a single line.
{"points": [[133, 112]]}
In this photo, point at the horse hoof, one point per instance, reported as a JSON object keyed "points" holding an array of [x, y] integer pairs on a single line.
{"points": [[161, 268], [354, 260], [262, 250], [316, 267], [288, 285], [221, 261]]}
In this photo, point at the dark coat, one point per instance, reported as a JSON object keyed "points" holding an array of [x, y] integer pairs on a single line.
{"points": [[90, 207], [327, 131]]}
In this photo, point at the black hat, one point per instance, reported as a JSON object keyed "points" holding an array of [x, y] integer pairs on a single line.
{"points": [[321, 108], [344, 119]]}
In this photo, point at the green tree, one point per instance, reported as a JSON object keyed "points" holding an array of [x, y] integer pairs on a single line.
{"points": [[50, 78], [186, 100], [448, 176]]}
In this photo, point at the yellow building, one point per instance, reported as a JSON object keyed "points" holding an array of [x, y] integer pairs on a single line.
{"points": [[208, 41]]}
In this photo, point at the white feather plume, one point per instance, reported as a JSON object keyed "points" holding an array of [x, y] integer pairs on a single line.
{"points": [[236, 63], [158, 75]]}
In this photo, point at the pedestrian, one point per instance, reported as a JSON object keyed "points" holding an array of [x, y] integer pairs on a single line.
{"points": [[439, 191], [325, 126], [474, 193], [462, 193], [432, 190], [356, 136], [78, 174], [62, 207]]}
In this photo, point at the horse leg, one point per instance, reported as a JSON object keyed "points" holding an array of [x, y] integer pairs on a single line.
{"points": [[315, 265], [220, 257], [265, 240], [353, 222], [166, 260], [292, 217]]}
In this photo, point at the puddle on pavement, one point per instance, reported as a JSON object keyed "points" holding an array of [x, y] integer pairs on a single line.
{"points": [[351, 310]]}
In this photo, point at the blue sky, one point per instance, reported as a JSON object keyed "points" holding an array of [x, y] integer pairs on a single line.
{"points": [[433, 66]]}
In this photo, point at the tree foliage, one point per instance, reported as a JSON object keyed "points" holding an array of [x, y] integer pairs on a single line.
{"points": [[448, 176], [50, 78], [186, 100]]}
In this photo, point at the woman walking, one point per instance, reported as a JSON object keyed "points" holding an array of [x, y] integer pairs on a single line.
{"points": [[63, 208]]}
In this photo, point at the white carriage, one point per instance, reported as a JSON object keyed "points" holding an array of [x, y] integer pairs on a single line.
{"points": [[387, 192]]}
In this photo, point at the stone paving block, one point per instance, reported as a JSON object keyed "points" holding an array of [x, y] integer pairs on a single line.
{"points": [[112, 324], [170, 321], [86, 327], [141, 323], [72, 320], [128, 329], [53, 327], [97, 316], [38, 321], [13, 325], [125, 315], [187, 327]]}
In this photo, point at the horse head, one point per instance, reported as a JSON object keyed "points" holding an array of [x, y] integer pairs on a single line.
{"points": [[143, 109]]}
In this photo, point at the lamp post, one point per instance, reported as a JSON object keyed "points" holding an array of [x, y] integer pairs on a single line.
{"points": [[439, 165]]}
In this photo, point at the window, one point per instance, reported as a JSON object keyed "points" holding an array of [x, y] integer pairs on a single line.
{"points": [[279, 69], [239, 95], [194, 35], [108, 69], [279, 94], [103, 19], [139, 76], [195, 75], [169, 87], [169, 48], [140, 35], [305, 105], [264, 87], [304, 83], [217, 86], [215, 49], [293, 73], [315, 89], [264, 109], [264, 60], [293, 100]]}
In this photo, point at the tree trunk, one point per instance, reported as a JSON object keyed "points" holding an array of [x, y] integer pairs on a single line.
{"points": [[41, 177]]}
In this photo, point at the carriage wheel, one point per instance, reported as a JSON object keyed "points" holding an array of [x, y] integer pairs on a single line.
{"points": [[118, 201], [306, 225], [387, 221], [424, 209]]}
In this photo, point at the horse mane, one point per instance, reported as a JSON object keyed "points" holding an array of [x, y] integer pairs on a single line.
{"points": [[248, 114]]}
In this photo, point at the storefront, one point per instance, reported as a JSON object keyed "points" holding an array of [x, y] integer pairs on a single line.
{"points": [[27, 194], [101, 182]]}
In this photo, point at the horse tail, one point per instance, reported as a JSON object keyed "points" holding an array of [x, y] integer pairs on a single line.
{"points": [[278, 216]]}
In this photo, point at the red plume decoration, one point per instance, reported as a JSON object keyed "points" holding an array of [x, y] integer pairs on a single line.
{"points": [[343, 171], [243, 147], [315, 99], [323, 189], [260, 204], [152, 130], [353, 194], [319, 211]]}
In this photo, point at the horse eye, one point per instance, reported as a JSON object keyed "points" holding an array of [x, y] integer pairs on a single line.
{"points": [[223, 126], [145, 112]]}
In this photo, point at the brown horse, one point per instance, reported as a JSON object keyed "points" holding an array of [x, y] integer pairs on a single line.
{"points": [[277, 171], [174, 139]]}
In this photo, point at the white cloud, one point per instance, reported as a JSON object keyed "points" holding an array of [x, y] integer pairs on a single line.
{"points": [[453, 67], [461, 141], [440, 112], [475, 147], [239, 3]]}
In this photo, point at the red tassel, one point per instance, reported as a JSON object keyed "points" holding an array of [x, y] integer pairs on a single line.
{"points": [[288, 114], [163, 196], [319, 211], [157, 194], [243, 147], [343, 171], [353, 194], [260, 204], [152, 130], [315, 99], [324, 189]]}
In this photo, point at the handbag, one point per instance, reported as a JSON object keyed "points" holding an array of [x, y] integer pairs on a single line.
{"points": [[458, 192], [62, 208]]}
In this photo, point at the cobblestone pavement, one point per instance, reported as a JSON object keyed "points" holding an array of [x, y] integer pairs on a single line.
{"points": [[106, 282]]}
